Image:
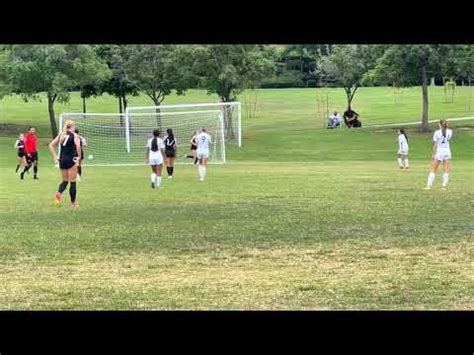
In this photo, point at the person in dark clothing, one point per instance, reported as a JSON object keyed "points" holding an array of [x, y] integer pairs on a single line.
{"points": [[351, 119]]}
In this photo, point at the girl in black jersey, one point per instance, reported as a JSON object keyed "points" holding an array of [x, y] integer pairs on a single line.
{"points": [[170, 152], [20, 147], [69, 157], [193, 148]]}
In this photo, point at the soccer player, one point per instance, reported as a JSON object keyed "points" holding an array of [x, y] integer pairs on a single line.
{"points": [[193, 148], [441, 153], [69, 157], [402, 149], [203, 139], [20, 147], [83, 146], [154, 157], [170, 152], [31, 152]]}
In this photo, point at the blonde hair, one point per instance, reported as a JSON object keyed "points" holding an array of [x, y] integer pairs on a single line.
{"points": [[444, 126], [67, 125]]}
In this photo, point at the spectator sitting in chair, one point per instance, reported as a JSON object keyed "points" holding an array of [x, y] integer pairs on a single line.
{"points": [[351, 118], [334, 120]]}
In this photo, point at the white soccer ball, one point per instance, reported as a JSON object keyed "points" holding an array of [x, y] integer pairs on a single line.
{"points": [[90, 157]]}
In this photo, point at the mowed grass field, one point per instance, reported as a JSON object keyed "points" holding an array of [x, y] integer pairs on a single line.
{"points": [[299, 218]]}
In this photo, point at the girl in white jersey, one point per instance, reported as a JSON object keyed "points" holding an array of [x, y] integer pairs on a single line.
{"points": [[441, 153], [402, 149], [203, 139], [154, 157]]}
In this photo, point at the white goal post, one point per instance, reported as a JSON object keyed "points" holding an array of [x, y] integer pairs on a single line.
{"points": [[120, 139], [231, 115]]}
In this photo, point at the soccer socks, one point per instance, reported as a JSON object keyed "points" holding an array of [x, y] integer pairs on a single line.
{"points": [[431, 178], [153, 177], [72, 192], [172, 170], [169, 169], [35, 171], [406, 163], [202, 171], [445, 179], [62, 187], [158, 180], [400, 164], [195, 160], [17, 167]]}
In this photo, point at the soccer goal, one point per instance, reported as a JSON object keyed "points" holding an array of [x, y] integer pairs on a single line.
{"points": [[120, 139], [231, 116]]}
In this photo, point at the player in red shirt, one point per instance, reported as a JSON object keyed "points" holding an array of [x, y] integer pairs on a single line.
{"points": [[31, 152]]}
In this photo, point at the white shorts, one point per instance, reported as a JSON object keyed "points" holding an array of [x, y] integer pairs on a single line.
{"points": [[203, 154], [403, 152], [442, 155], [155, 159]]}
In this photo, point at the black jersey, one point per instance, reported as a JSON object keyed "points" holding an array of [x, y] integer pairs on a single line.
{"points": [[68, 147], [169, 143], [20, 145]]}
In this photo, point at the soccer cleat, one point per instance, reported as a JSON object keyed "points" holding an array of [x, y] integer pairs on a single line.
{"points": [[74, 205], [406, 168], [57, 198], [201, 179], [401, 167], [152, 185], [170, 177], [35, 177]]}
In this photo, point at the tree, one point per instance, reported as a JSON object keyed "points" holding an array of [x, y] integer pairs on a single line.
{"points": [[226, 70], [157, 70], [118, 84], [412, 65], [347, 66], [53, 69]]}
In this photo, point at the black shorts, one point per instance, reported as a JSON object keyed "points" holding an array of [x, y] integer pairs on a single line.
{"points": [[21, 154], [32, 158], [194, 147], [65, 164], [170, 153]]}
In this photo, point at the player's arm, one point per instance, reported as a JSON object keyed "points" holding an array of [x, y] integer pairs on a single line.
{"points": [[77, 142], [53, 147], [147, 154], [84, 144], [192, 140], [162, 149]]}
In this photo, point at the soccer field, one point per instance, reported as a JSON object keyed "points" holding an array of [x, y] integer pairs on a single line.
{"points": [[299, 218]]}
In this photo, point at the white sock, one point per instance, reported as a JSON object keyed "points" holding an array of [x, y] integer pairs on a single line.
{"points": [[158, 181], [431, 178], [200, 171], [153, 177], [400, 162], [445, 179], [203, 171], [406, 163]]}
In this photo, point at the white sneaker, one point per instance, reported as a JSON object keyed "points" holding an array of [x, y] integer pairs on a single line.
{"points": [[427, 188], [170, 177], [201, 179]]}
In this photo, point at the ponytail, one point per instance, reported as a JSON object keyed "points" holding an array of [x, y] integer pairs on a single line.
{"points": [[444, 126], [402, 131], [154, 141], [67, 125]]}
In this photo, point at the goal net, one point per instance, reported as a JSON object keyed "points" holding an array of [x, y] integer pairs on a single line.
{"points": [[231, 115], [120, 139]]}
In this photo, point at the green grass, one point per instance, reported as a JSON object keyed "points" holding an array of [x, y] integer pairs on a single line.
{"points": [[300, 218]]}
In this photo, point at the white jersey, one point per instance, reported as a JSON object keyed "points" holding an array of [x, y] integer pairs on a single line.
{"points": [[155, 157], [443, 151], [203, 140], [402, 144]]}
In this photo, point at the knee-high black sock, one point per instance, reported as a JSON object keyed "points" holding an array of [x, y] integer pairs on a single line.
{"points": [[72, 192], [168, 170], [195, 160], [171, 170], [17, 167], [62, 187], [26, 168], [35, 169], [79, 170]]}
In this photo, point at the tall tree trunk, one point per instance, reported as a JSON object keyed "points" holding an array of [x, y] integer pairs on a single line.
{"points": [[84, 104], [120, 104], [52, 119], [159, 122], [424, 90], [125, 102]]}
